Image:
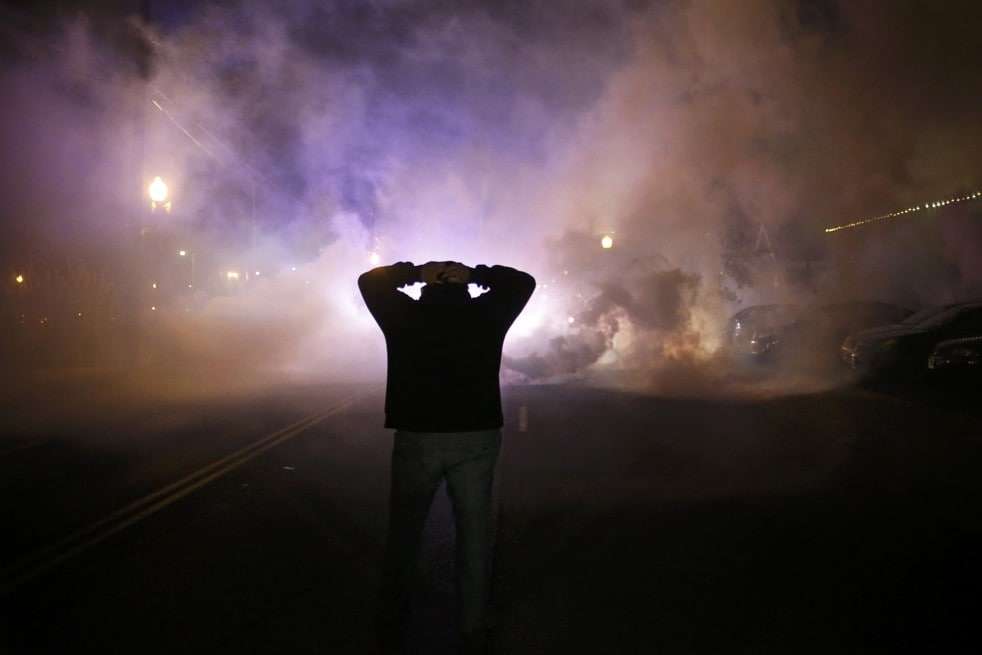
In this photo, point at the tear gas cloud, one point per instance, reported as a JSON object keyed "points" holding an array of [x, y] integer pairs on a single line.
{"points": [[299, 139]]}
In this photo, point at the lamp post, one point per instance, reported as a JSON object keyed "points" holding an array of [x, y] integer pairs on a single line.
{"points": [[190, 255]]}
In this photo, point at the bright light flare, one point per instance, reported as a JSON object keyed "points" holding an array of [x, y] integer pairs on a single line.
{"points": [[374, 259], [607, 242], [158, 190], [19, 279], [182, 253], [232, 275]]}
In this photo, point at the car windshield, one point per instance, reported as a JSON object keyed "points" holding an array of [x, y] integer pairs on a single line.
{"points": [[919, 317], [941, 317]]}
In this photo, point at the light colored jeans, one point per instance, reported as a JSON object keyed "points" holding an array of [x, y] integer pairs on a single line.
{"points": [[420, 461]]}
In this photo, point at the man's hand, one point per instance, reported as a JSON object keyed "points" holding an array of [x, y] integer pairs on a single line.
{"points": [[440, 272]]}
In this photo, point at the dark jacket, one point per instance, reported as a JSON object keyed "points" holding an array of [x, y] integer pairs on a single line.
{"points": [[444, 357]]}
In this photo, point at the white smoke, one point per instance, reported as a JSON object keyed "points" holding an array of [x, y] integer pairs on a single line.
{"points": [[298, 140]]}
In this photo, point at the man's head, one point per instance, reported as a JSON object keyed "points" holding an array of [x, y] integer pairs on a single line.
{"points": [[446, 283]]}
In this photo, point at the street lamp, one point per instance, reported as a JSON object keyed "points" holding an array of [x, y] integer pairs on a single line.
{"points": [[607, 242], [190, 255], [19, 279], [159, 194]]}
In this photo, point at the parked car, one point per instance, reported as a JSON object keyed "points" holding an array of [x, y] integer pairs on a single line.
{"points": [[805, 337], [904, 348], [755, 331], [957, 356], [814, 339]]}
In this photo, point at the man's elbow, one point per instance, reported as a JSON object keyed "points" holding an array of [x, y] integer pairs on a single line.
{"points": [[370, 283], [364, 281], [526, 282]]}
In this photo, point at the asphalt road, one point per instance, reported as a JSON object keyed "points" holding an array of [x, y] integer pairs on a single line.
{"points": [[841, 522]]}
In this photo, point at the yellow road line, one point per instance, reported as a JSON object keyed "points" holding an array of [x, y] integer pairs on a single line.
{"points": [[47, 558]]}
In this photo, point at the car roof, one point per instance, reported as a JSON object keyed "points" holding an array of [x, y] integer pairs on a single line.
{"points": [[761, 309], [960, 340]]}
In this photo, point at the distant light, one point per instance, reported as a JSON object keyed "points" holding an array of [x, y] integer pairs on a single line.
{"points": [[232, 275], [182, 253], [153, 308], [19, 279], [293, 268], [374, 259], [931, 205], [158, 190], [189, 285], [570, 320], [154, 285], [80, 314], [607, 242], [258, 273]]}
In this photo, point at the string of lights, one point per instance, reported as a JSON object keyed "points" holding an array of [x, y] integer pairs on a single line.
{"points": [[909, 210]]}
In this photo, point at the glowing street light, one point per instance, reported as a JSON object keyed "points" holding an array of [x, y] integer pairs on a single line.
{"points": [[374, 259], [607, 242], [19, 279], [232, 275], [158, 190], [159, 194], [182, 253]]}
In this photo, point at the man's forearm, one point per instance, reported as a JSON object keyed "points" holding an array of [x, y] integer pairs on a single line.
{"points": [[379, 286], [385, 278], [498, 276]]}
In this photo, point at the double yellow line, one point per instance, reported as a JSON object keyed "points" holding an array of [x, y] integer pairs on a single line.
{"points": [[43, 560]]}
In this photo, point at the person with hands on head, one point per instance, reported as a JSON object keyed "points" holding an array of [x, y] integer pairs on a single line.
{"points": [[443, 400]]}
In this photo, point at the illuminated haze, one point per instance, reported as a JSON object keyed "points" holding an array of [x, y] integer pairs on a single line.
{"points": [[310, 135]]}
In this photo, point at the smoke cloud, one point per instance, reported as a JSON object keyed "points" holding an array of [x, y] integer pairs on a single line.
{"points": [[713, 143]]}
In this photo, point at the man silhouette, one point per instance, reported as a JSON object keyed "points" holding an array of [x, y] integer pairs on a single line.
{"points": [[443, 400]]}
